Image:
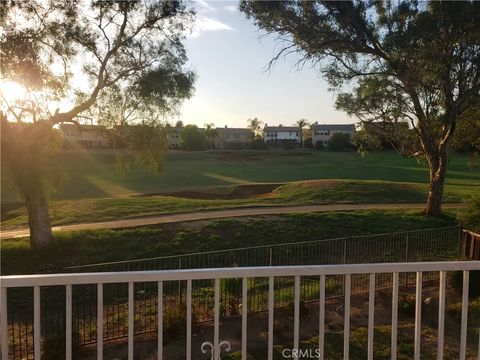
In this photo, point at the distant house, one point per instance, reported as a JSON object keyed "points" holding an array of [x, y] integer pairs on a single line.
{"points": [[282, 136], [85, 136], [324, 132], [233, 138]]}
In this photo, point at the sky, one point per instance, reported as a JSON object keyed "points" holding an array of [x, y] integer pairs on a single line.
{"points": [[229, 55]]}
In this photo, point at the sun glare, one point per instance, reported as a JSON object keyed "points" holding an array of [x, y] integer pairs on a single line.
{"points": [[11, 91]]}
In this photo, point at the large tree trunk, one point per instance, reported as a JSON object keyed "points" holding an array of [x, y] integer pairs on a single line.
{"points": [[438, 169], [38, 218]]}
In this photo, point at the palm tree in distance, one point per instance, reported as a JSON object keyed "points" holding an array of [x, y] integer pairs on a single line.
{"points": [[301, 124], [255, 126], [210, 133]]}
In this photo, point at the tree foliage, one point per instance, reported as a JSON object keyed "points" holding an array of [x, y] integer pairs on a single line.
{"points": [[339, 142], [211, 134], [390, 62], [255, 125], [192, 138], [119, 62], [302, 123]]}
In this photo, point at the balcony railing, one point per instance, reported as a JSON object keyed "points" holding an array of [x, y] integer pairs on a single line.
{"points": [[216, 275]]}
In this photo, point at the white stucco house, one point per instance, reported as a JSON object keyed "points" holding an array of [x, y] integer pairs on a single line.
{"points": [[282, 136]]}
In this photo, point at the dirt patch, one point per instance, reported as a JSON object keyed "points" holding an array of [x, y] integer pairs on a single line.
{"points": [[316, 183], [244, 191]]}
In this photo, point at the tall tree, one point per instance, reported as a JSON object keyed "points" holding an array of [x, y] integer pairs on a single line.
{"points": [[255, 125], [81, 54], [192, 138], [400, 61], [302, 123]]}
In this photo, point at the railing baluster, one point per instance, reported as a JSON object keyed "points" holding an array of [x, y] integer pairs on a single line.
{"points": [[244, 317], [37, 336], [418, 315], [271, 305], [371, 315], [396, 278], [216, 326], [189, 320], [441, 314], [99, 321], [463, 331], [131, 319], [296, 315], [68, 322], [346, 316], [321, 316], [160, 321], [4, 323]]}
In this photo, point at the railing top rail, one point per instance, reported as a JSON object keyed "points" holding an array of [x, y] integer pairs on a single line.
{"points": [[259, 247], [236, 272]]}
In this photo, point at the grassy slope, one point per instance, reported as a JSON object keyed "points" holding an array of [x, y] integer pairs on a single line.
{"points": [[94, 175], [115, 245], [94, 191], [298, 193]]}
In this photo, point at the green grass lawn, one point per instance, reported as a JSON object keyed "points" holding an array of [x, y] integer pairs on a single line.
{"points": [[95, 246], [93, 190]]}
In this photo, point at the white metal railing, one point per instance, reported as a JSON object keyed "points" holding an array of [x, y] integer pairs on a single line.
{"points": [[69, 280]]}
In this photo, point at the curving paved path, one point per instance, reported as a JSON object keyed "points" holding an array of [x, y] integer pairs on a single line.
{"points": [[221, 214]]}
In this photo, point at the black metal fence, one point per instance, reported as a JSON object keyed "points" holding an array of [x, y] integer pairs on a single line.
{"points": [[423, 245]]}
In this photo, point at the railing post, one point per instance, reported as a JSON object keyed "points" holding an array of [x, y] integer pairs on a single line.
{"points": [[189, 320], [4, 323], [37, 335], [244, 317], [131, 318], [418, 316], [216, 324], [394, 316], [463, 329], [441, 314], [371, 316], [99, 321], [296, 316], [68, 322], [321, 316], [160, 321], [271, 306], [346, 316]]}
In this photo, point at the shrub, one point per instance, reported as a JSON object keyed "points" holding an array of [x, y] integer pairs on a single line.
{"points": [[319, 145], [455, 280], [339, 142], [407, 305], [473, 310], [192, 138], [257, 144], [308, 143], [304, 310], [470, 217], [174, 321], [237, 355]]}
